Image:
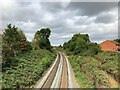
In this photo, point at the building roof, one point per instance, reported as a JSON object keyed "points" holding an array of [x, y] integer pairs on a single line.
{"points": [[115, 42]]}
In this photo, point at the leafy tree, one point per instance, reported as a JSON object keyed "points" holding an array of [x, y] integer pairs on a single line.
{"points": [[14, 42], [80, 44], [45, 33], [24, 45], [11, 38], [35, 42], [93, 49], [41, 39]]}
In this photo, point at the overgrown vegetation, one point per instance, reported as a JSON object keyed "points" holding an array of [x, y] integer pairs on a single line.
{"points": [[14, 42], [90, 71], [92, 67], [27, 69], [23, 64], [109, 63]]}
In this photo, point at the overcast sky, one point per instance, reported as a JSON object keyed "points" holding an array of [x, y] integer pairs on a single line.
{"points": [[98, 19]]}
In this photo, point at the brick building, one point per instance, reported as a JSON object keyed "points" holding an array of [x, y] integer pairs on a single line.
{"points": [[110, 45]]}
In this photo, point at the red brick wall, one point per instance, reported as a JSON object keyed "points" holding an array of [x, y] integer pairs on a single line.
{"points": [[108, 46]]}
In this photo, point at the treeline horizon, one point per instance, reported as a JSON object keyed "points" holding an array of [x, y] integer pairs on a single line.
{"points": [[15, 42], [116, 39]]}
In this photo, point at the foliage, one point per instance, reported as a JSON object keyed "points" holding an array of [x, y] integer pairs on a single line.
{"points": [[41, 39], [24, 45], [109, 63], [80, 44], [90, 71], [28, 69], [22, 66], [13, 43], [93, 49], [80, 76]]}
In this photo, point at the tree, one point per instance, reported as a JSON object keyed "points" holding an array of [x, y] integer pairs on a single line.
{"points": [[80, 44], [45, 33], [24, 45], [35, 42], [14, 42], [11, 38], [93, 49], [41, 39]]}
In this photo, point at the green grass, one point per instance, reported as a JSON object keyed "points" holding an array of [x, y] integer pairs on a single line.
{"points": [[28, 69]]}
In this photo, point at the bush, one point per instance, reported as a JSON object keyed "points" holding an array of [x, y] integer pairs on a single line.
{"points": [[94, 69], [30, 67]]}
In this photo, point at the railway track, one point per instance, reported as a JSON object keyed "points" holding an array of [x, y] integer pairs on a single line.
{"points": [[58, 76], [64, 81]]}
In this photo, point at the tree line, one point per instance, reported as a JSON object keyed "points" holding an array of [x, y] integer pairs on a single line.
{"points": [[14, 42], [80, 44]]}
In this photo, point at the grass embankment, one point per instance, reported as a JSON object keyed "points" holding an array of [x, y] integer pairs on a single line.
{"points": [[28, 69], [97, 71]]}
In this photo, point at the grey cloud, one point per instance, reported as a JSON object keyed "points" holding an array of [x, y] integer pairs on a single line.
{"points": [[61, 19], [92, 8], [18, 14], [52, 6], [85, 20], [107, 18], [99, 38]]}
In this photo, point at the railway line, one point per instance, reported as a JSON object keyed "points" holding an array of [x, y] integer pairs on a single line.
{"points": [[59, 75]]}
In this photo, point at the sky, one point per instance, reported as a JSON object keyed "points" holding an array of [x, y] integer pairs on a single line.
{"points": [[98, 19]]}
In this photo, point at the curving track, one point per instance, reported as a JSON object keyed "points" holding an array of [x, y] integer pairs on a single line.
{"points": [[60, 75]]}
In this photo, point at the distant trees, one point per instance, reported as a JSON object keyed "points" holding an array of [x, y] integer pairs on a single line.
{"points": [[13, 42], [80, 44], [41, 39]]}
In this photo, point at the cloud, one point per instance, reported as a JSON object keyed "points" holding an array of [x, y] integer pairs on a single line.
{"points": [[107, 17], [30, 35], [52, 7], [28, 27], [98, 19], [92, 8], [84, 20]]}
